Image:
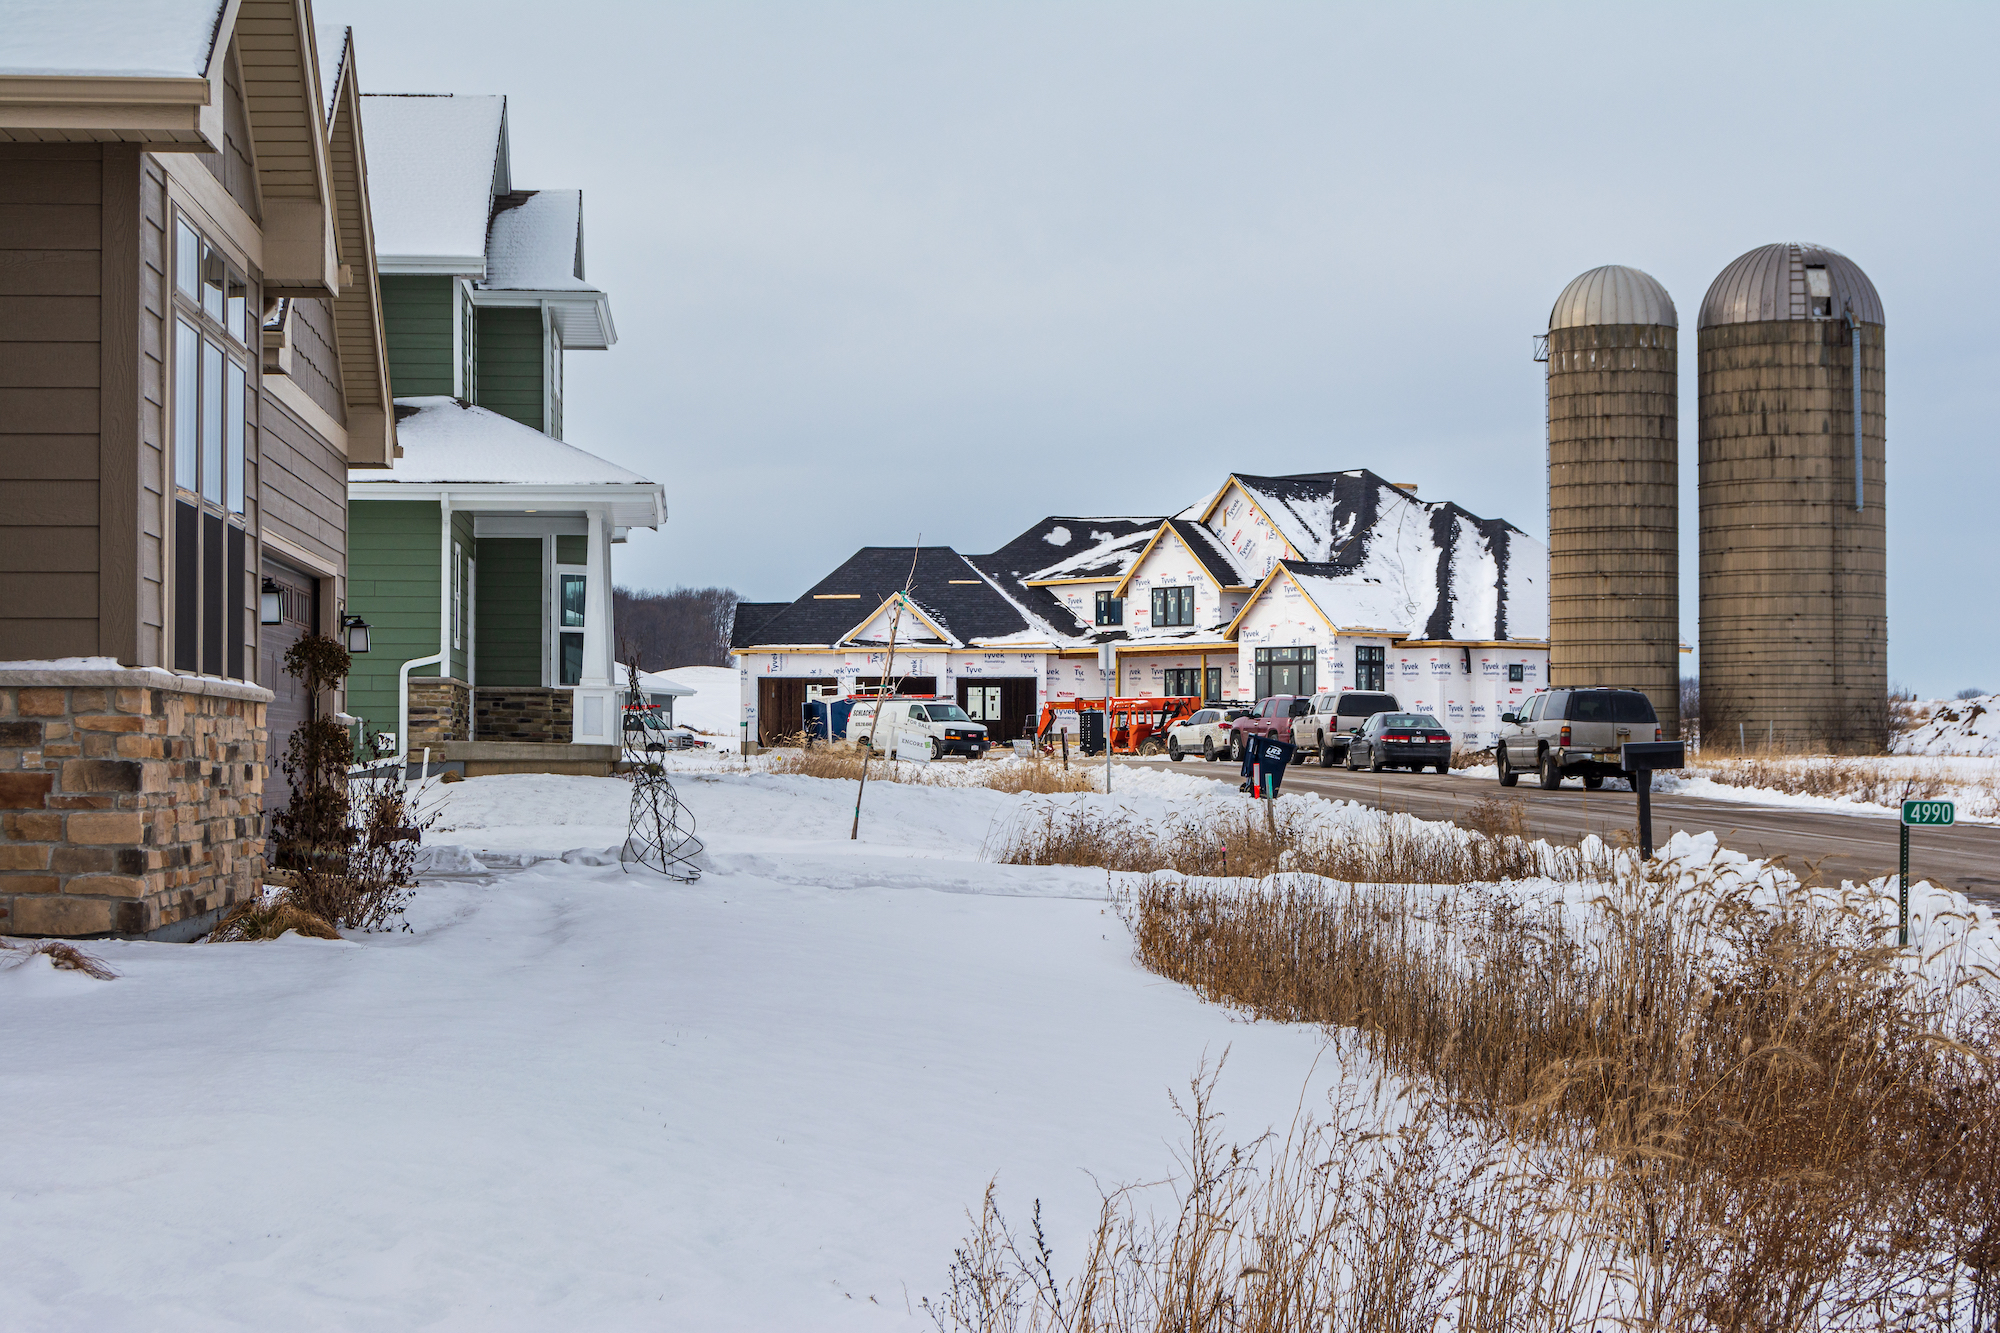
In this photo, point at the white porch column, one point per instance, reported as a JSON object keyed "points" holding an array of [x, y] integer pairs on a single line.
{"points": [[597, 641], [594, 701]]}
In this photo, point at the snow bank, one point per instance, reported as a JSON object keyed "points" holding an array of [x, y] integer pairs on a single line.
{"points": [[1956, 726], [715, 709]]}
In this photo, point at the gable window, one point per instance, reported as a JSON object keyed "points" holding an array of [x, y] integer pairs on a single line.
{"points": [[1370, 666], [1110, 610], [1172, 607], [1286, 671], [211, 360]]}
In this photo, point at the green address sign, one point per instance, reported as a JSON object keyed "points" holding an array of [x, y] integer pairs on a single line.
{"points": [[1928, 813]]}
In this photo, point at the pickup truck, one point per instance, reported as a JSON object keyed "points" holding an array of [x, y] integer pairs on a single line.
{"points": [[1334, 717]]}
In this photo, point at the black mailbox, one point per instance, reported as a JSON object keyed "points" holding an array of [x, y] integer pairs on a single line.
{"points": [[1635, 756], [1639, 759]]}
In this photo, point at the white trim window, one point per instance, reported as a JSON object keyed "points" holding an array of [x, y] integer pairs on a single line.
{"points": [[214, 332], [569, 609], [457, 595]]}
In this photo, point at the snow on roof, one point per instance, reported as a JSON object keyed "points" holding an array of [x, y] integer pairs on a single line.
{"points": [[158, 39], [654, 682], [1448, 573], [445, 441], [1352, 602], [330, 40], [535, 242], [1093, 548], [431, 166]]}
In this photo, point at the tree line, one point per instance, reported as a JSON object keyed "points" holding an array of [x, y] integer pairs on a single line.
{"points": [[675, 628]]}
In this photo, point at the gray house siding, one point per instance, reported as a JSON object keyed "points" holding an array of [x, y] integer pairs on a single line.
{"points": [[235, 166], [303, 480], [315, 360]]}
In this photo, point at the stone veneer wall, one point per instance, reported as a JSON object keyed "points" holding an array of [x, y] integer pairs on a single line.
{"points": [[440, 711], [131, 800], [522, 713]]}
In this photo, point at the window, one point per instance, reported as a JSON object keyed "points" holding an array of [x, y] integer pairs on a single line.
{"points": [[1370, 666], [1173, 606], [1819, 291], [570, 598], [1515, 673], [457, 596], [212, 384], [1110, 610], [1214, 691], [1183, 682], [1285, 671]]}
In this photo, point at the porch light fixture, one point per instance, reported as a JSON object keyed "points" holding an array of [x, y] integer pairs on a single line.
{"points": [[273, 604], [354, 630]]}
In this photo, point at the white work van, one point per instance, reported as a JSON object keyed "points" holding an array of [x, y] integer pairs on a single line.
{"points": [[944, 727]]}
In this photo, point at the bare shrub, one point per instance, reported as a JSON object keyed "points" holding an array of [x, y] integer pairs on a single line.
{"points": [[61, 954]]}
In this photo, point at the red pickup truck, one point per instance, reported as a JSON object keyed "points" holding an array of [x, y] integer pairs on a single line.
{"points": [[1273, 718]]}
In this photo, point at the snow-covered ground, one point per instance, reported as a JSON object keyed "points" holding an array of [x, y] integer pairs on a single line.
{"points": [[572, 1097], [1954, 726], [715, 709], [569, 1096]]}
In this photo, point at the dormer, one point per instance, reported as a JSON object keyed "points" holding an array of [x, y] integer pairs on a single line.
{"points": [[482, 284]]}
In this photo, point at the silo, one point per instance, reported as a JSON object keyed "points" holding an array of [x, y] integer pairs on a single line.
{"points": [[1614, 488], [1794, 608]]}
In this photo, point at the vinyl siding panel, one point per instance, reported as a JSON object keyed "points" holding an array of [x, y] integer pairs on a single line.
{"points": [[416, 320], [152, 430], [235, 166], [302, 484], [315, 359], [510, 363], [392, 583], [51, 279], [510, 611]]}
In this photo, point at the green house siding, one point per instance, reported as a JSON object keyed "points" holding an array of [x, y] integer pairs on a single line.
{"points": [[510, 362], [510, 611], [572, 550], [416, 318], [392, 583]]}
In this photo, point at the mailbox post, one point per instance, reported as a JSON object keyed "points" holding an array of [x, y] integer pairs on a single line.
{"points": [[1639, 759]]}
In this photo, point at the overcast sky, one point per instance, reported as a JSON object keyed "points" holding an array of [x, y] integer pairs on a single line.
{"points": [[882, 269]]}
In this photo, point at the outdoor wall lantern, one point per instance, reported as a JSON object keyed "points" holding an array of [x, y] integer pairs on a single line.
{"points": [[273, 612], [355, 631]]}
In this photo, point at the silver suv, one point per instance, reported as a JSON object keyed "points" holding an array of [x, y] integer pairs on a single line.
{"points": [[1334, 717], [1560, 733]]}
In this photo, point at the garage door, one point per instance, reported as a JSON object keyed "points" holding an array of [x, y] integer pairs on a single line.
{"points": [[298, 594]]}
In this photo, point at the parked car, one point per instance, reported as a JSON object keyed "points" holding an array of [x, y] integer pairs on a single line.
{"points": [[1272, 717], [1205, 733], [1336, 716], [881, 723], [1560, 733], [1400, 740]]}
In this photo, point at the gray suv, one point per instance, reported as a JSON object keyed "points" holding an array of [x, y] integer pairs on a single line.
{"points": [[1333, 718], [1563, 733]]}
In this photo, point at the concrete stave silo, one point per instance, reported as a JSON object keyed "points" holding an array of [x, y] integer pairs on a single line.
{"points": [[1793, 597], [1614, 488]]}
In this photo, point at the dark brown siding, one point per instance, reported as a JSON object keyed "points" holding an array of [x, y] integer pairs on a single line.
{"points": [[315, 361], [53, 270], [234, 166], [303, 484]]}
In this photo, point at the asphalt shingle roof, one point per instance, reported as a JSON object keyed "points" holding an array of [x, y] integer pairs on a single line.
{"points": [[948, 590]]}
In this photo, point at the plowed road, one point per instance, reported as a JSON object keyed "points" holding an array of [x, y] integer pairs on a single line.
{"points": [[1964, 857]]}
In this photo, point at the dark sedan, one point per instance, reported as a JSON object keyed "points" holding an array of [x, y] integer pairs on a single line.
{"points": [[1401, 740]]}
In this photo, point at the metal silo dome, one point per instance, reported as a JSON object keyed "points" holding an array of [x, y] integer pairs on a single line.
{"points": [[1613, 294], [1778, 282]]}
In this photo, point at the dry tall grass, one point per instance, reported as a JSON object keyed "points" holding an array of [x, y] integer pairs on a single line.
{"points": [[1242, 841], [1041, 775], [61, 954], [1694, 1112]]}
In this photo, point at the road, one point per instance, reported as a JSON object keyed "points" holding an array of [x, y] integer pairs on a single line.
{"points": [[1964, 857]]}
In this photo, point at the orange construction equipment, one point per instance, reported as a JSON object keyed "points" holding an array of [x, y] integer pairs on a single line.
{"points": [[1138, 725]]}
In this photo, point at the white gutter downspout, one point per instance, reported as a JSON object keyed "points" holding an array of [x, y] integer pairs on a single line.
{"points": [[403, 700], [442, 657]]}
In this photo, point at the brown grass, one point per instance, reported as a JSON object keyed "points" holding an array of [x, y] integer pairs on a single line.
{"points": [[1872, 781], [63, 955], [268, 918], [1743, 1118], [1243, 841], [1042, 774]]}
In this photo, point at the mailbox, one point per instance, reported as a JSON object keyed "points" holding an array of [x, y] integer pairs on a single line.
{"points": [[1637, 756]]}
